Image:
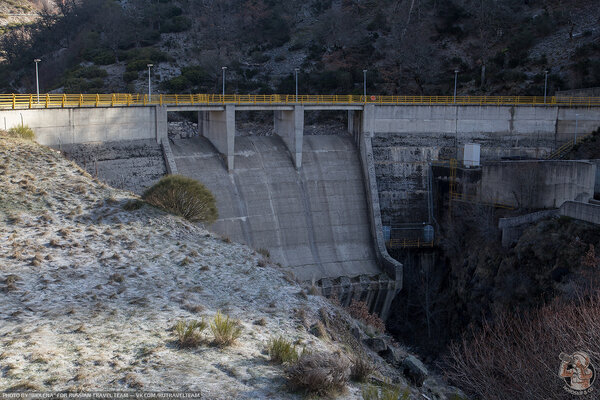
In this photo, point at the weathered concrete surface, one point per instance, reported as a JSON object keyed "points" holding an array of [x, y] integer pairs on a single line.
{"points": [[56, 127], [362, 134], [219, 128], [132, 165], [407, 138], [582, 211], [537, 184], [513, 227], [289, 125], [313, 220]]}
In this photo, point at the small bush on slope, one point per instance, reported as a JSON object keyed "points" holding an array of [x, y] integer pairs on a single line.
{"points": [[23, 132], [184, 197], [188, 333], [282, 351], [225, 330], [322, 374]]}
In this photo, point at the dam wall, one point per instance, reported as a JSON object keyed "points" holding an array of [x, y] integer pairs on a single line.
{"points": [[313, 220], [406, 139], [58, 126]]}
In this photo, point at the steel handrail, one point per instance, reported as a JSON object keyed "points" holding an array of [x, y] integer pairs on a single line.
{"points": [[13, 101]]}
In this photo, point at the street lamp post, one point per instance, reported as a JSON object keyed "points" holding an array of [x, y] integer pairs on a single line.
{"points": [[37, 79], [545, 85], [223, 68], [576, 122], [296, 70], [365, 84], [149, 83], [455, 83]]}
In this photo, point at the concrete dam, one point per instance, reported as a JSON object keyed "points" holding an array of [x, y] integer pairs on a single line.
{"points": [[316, 203], [313, 220]]}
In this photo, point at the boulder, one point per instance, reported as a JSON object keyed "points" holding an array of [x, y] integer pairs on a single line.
{"points": [[393, 355], [377, 344], [414, 370]]}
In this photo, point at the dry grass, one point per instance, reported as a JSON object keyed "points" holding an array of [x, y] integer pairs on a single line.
{"points": [[264, 252], [282, 351], [321, 374], [361, 368], [360, 311], [188, 333], [225, 330]]}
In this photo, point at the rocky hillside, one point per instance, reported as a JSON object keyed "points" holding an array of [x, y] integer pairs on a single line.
{"points": [[408, 46], [92, 282]]}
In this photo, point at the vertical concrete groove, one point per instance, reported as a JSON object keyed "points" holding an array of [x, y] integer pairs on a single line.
{"points": [[309, 222], [242, 209], [270, 196]]}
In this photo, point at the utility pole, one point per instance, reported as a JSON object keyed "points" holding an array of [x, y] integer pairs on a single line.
{"points": [[37, 79], [576, 121], [455, 83], [365, 84], [296, 71], [223, 68], [149, 83]]}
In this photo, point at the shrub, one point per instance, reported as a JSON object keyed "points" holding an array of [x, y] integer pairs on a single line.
{"points": [[282, 351], [89, 72], [264, 252], [137, 65], [179, 23], [360, 311], [23, 132], [361, 368], [529, 342], [225, 330], [184, 197], [188, 333], [130, 76], [321, 374]]}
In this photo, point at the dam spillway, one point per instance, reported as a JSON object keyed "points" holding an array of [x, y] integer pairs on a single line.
{"points": [[312, 220]]}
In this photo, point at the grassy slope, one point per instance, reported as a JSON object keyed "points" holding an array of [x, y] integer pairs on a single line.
{"points": [[89, 293]]}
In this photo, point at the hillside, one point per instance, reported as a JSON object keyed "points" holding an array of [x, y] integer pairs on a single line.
{"points": [[408, 46], [91, 286]]}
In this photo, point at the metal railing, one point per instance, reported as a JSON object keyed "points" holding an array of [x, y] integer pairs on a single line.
{"points": [[477, 200], [14, 101], [567, 147], [408, 243]]}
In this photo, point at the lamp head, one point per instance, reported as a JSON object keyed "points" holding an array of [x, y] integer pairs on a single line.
{"points": [[37, 60]]}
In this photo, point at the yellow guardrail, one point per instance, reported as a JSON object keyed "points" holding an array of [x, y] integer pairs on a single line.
{"points": [[14, 101], [408, 243], [474, 199]]}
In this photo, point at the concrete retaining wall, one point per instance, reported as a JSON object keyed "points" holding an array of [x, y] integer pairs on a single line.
{"points": [[55, 127], [537, 184], [513, 227], [582, 211], [131, 165]]}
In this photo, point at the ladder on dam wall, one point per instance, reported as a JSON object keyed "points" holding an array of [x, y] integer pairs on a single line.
{"points": [[563, 150]]}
